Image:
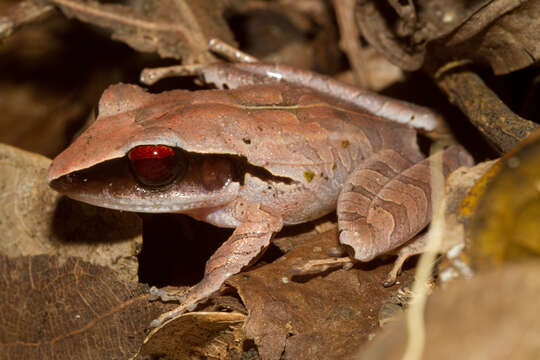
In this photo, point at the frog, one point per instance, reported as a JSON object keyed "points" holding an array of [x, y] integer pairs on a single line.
{"points": [[270, 146]]}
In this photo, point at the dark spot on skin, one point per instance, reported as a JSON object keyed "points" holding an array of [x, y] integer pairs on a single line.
{"points": [[345, 143], [259, 128], [309, 175], [334, 167], [246, 141]]}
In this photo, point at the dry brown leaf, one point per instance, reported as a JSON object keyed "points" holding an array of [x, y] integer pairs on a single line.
{"points": [[505, 223], [328, 316], [403, 40], [200, 335], [177, 29], [37, 220], [69, 309], [493, 316], [501, 33], [510, 40]]}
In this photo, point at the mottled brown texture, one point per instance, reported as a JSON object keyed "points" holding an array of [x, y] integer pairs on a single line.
{"points": [[502, 34], [328, 317], [384, 206], [497, 122], [204, 335], [178, 29], [70, 310]]}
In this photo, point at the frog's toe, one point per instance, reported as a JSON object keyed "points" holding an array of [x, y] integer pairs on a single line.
{"points": [[358, 247], [165, 296], [392, 276], [169, 315]]}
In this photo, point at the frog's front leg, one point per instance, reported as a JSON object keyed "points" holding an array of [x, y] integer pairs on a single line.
{"points": [[250, 238], [387, 202]]}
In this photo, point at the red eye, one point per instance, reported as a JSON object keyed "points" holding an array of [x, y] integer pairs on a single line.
{"points": [[156, 165]]}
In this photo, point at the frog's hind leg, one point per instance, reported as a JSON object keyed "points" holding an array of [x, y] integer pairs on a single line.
{"points": [[247, 242], [415, 246], [387, 201], [384, 203]]}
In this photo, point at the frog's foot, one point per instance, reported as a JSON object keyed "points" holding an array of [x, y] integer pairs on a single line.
{"points": [[416, 246], [166, 296], [204, 290]]}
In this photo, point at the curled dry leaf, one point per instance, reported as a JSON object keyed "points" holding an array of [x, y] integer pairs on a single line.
{"points": [[503, 34], [37, 220], [172, 28], [506, 208], [69, 309], [205, 335], [495, 315], [404, 40]]}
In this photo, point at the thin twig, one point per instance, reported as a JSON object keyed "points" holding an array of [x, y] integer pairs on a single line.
{"points": [[100, 12], [150, 76], [350, 42], [502, 127], [229, 52]]}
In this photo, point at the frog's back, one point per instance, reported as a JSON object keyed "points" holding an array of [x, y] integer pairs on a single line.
{"points": [[290, 131], [286, 129]]}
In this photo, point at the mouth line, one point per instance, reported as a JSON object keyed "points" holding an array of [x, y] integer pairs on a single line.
{"points": [[168, 203]]}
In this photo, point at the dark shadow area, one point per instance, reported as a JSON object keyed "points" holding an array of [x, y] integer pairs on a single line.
{"points": [[432, 97], [176, 248], [77, 222]]}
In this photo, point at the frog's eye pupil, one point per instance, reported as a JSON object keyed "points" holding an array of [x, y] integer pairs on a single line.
{"points": [[156, 165]]}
